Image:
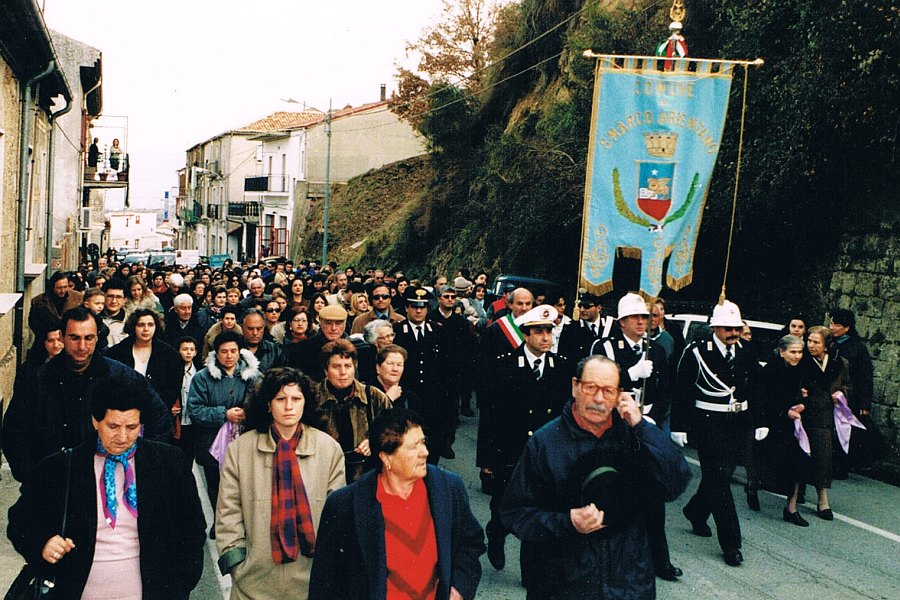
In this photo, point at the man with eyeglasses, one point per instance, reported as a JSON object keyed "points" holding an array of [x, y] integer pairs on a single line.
{"points": [[114, 313], [645, 374], [529, 388], [590, 470], [51, 410], [718, 402], [381, 309]]}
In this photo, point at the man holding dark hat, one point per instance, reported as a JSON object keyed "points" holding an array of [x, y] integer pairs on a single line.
{"points": [[718, 398], [529, 389], [589, 542], [645, 374], [425, 341]]}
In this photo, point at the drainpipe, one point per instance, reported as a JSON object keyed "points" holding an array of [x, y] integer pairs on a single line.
{"points": [[24, 139], [48, 228]]}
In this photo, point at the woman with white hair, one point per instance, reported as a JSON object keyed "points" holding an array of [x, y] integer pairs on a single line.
{"points": [[379, 333]]}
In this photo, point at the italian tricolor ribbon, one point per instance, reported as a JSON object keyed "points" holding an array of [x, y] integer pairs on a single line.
{"points": [[511, 331]]}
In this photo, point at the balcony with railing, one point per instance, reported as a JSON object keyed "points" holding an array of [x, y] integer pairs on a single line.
{"points": [[246, 211], [266, 183], [193, 214]]}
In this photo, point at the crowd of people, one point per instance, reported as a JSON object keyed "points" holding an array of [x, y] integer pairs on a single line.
{"points": [[318, 403]]}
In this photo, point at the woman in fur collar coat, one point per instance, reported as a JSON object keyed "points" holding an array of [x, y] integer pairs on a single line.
{"points": [[217, 394]]}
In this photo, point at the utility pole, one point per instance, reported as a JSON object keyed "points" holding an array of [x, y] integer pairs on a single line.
{"points": [[327, 184]]}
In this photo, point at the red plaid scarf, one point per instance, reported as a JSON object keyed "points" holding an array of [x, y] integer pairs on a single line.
{"points": [[290, 505]]}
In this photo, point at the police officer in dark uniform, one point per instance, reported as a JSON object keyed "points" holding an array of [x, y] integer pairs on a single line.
{"points": [[577, 338], [529, 388], [645, 374], [424, 341], [718, 395], [459, 350]]}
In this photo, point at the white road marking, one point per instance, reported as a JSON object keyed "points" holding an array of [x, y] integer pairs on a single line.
{"points": [[849, 520]]}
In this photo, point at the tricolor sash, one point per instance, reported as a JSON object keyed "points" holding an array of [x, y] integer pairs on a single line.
{"points": [[511, 331]]}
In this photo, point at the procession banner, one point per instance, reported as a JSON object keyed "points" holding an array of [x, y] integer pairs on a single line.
{"points": [[654, 140]]}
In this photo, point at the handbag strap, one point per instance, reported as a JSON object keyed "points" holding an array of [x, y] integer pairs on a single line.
{"points": [[62, 529]]}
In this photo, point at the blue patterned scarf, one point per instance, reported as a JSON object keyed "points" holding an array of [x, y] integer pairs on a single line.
{"points": [[108, 485]]}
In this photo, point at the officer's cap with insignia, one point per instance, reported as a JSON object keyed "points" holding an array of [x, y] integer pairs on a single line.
{"points": [[587, 299], [539, 315], [417, 296], [632, 304]]}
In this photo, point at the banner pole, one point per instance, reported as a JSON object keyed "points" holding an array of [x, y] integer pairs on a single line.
{"points": [[758, 62], [737, 178]]}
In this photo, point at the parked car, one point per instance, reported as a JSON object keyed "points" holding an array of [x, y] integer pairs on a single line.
{"points": [[504, 283]]}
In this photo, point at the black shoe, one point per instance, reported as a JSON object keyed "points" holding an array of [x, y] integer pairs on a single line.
{"points": [[795, 518], [495, 551], [733, 558], [700, 527], [825, 514], [212, 532], [669, 572], [467, 412], [753, 500]]}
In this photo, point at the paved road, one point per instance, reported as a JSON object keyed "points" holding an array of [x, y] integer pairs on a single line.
{"points": [[856, 556]]}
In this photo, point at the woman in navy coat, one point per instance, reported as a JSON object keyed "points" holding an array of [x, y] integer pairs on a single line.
{"points": [[353, 555]]}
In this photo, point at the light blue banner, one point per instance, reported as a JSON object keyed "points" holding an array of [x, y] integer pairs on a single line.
{"points": [[654, 143]]}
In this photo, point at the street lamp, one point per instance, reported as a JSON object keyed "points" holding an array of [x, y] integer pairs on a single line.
{"points": [[327, 184]]}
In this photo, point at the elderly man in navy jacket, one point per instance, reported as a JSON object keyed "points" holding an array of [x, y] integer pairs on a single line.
{"points": [[590, 549]]}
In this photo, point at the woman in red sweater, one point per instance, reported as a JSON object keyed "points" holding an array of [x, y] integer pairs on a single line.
{"points": [[404, 530]]}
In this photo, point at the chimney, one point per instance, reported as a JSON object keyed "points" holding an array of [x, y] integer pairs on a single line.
{"points": [[383, 92]]}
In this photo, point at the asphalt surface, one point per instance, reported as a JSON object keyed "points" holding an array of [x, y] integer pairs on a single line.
{"points": [[855, 556]]}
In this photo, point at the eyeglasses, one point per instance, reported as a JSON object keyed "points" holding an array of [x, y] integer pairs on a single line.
{"points": [[115, 296], [590, 388], [387, 336], [730, 328], [381, 296], [586, 305], [448, 296], [273, 310]]}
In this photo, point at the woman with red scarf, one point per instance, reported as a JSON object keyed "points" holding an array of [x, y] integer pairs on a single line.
{"points": [[273, 488]]}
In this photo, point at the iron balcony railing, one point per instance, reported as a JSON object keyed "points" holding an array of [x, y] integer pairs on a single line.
{"points": [[266, 183]]}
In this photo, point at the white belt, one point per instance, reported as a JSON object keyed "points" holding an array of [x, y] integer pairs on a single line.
{"points": [[733, 407]]}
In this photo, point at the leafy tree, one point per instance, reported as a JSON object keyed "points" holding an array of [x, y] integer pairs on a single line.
{"points": [[454, 52]]}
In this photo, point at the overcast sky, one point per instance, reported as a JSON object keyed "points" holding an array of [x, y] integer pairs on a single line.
{"points": [[184, 71]]}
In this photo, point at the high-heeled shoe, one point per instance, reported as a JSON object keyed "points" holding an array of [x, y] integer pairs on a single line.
{"points": [[794, 518], [825, 513]]}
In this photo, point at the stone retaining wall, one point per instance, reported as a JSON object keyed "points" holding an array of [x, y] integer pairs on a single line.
{"points": [[866, 280]]}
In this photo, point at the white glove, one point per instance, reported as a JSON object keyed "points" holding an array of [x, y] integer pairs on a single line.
{"points": [[642, 369], [761, 433], [679, 438]]}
